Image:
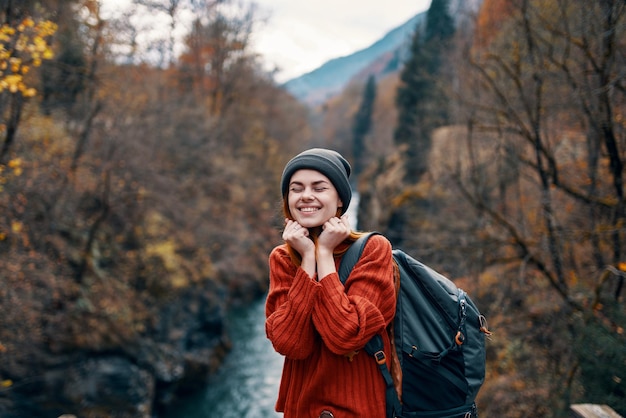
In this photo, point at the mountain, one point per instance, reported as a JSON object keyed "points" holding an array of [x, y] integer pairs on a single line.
{"points": [[382, 57], [320, 84]]}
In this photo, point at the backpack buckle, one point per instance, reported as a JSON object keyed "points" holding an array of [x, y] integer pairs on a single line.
{"points": [[380, 357], [460, 338]]}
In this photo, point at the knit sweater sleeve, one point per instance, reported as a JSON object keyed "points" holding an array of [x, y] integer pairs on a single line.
{"points": [[346, 318], [290, 301]]}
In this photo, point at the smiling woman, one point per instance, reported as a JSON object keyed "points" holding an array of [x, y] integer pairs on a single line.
{"points": [[312, 198], [311, 318]]}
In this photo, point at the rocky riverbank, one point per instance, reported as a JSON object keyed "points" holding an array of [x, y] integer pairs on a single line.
{"points": [[182, 344]]}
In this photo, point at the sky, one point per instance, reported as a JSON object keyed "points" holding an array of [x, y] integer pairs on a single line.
{"points": [[297, 36], [300, 36]]}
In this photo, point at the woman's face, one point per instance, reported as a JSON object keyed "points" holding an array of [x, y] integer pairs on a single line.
{"points": [[312, 198]]}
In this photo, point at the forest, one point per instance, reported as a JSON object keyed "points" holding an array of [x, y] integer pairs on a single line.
{"points": [[139, 193]]}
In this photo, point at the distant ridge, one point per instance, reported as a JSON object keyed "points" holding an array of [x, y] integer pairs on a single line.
{"points": [[322, 83]]}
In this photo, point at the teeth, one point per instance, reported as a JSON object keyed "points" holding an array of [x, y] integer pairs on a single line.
{"points": [[308, 209]]}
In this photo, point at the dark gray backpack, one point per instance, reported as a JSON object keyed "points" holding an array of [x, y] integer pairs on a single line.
{"points": [[440, 341]]}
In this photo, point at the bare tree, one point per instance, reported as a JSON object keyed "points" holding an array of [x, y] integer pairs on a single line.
{"points": [[542, 165]]}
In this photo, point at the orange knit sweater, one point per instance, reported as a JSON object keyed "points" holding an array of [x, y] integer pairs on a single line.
{"points": [[315, 324]]}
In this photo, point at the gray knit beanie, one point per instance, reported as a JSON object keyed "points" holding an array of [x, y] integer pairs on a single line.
{"points": [[328, 162]]}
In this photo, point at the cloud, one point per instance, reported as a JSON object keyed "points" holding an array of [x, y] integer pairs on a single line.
{"points": [[301, 36]]}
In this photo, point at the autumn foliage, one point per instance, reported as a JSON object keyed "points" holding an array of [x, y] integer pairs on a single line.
{"points": [[136, 204], [139, 200]]}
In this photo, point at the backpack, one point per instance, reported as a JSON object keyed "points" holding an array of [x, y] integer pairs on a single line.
{"points": [[439, 337]]}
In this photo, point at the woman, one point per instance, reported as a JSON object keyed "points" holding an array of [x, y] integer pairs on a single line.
{"points": [[319, 325]]}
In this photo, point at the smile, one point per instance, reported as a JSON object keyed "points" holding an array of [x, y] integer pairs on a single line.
{"points": [[308, 210]]}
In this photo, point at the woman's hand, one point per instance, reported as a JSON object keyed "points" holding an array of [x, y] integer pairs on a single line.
{"points": [[297, 237], [335, 231]]}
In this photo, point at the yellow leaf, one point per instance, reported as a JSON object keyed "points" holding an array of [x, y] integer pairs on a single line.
{"points": [[17, 226], [6, 383], [29, 22]]}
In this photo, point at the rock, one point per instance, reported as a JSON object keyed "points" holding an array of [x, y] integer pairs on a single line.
{"points": [[183, 343], [111, 384]]}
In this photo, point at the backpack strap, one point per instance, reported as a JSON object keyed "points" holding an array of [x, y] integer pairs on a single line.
{"points": [[352, 255], [374, 346]]}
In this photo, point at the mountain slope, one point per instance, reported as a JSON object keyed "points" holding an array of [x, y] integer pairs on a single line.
{"points": [[329, 79]]}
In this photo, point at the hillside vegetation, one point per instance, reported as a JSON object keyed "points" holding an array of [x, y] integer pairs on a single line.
{"points": [[139, 193]]}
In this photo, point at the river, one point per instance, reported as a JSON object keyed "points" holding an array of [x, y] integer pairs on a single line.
{"points": [[246, 385]]}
